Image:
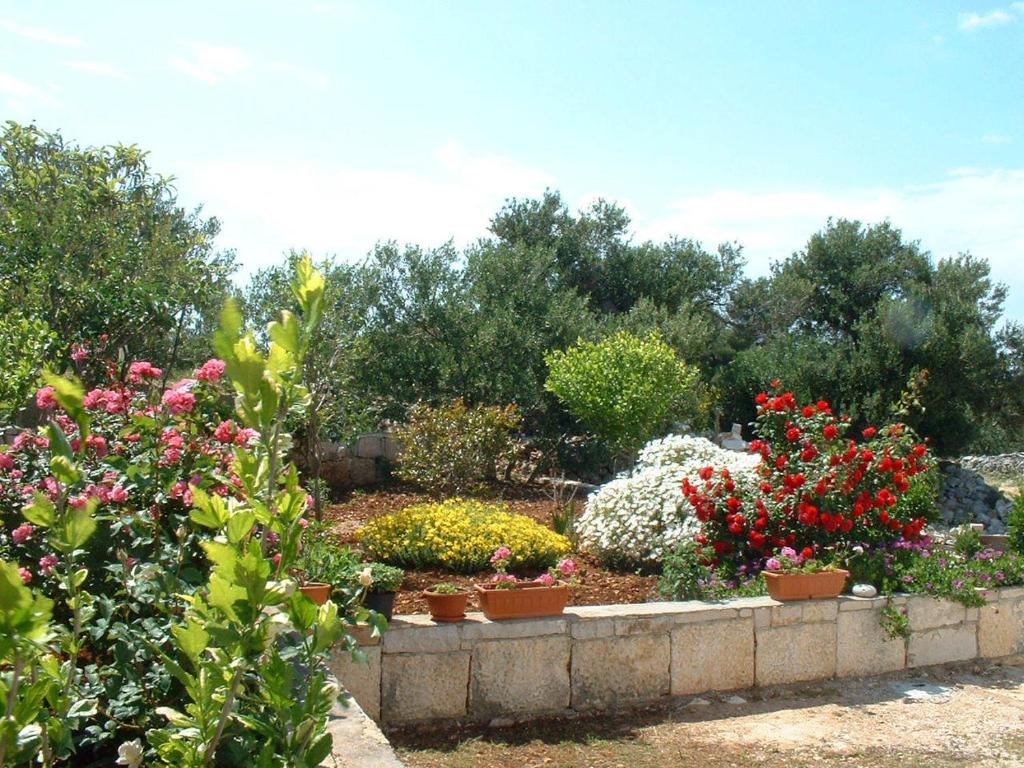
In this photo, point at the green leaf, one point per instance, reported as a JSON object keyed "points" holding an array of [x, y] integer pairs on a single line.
{"points": [[69, 392], [192, 638], [40, 512], [207, 510], [240, 524], [62, 469]]}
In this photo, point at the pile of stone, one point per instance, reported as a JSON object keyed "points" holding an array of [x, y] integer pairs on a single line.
{"points": [[967, 498], [1005, 466]]}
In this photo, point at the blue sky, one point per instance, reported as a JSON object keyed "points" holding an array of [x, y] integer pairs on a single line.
{"points": [[331, 125]]}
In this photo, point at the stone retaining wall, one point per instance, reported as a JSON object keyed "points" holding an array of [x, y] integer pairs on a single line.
{"points": [[603, 657]]}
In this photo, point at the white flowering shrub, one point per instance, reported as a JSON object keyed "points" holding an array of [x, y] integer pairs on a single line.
{"points": [[639, 517]]}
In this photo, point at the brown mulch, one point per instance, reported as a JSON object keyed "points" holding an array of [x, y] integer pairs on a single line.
{"points": [[597, 585]]}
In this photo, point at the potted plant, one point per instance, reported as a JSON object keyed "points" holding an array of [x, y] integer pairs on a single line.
{"points": [[447, 602], [506, 597], [384, 581], [792, 576], [324, 568]]}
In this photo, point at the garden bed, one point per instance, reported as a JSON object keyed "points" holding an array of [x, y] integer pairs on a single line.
{"points": [[597, 585]]}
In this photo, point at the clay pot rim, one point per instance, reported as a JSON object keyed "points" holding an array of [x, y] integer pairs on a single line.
{"points": [[432, 593]]}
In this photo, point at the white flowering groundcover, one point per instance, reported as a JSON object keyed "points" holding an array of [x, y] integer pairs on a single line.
{"points": [[641, 516]]}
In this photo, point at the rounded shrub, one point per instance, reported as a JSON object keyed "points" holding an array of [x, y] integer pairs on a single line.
{"points": [[460, 535]]}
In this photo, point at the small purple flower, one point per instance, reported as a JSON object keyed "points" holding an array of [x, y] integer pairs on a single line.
{"points": [[773, 564], [908, 579], [957, 583], [1000, 576]]}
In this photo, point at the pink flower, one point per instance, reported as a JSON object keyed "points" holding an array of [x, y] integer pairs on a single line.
{"points": [[773, 564], [134, 437], [142, 369], [501, 553], [78, 501], [98, 443], [47, 564], [26, 575], [45, 399], [172, 438], [118, 494], [22, 533], [179, 399], [245, 435], [211, 370], [566, 567], [504, 578], [6, 462], [303, 523], [225, 431], [79, 352], [94, 398], [546, 579]]}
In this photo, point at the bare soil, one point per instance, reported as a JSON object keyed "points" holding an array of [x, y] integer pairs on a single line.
{"points": [[597, 585], [943, 717]]}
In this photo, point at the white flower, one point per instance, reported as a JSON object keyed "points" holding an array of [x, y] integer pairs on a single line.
{"points": [[366, 577], [641, 517], [858, 550], [130, 754]]}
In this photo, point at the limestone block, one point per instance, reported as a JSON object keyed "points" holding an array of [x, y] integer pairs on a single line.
{"points": [[819, 610], [424, 686], [522, 676], [370, 446], [481, 629], [929, 613], [362, 472], [335, 473], [361, 679], [864, 648], [717, 656], [1000, 629], [943, 645], [420, 639], [795, 653], [786, 614], [590, 628], [616, 670]]}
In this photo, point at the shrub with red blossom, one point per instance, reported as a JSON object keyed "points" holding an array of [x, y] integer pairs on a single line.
{"points": [[818, 489]]}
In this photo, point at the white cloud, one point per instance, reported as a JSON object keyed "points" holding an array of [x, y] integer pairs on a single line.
{"points": [[40, 34], [969, 22], [102, 68], [995, 138], [211, 63], [971, 210], [269, 206], [21, 96]]}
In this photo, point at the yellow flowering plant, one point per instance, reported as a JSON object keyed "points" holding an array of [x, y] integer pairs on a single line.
{"points": [[459, 535]]}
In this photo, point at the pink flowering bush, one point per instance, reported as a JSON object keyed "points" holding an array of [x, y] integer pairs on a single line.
{"points": [[145, 454]]}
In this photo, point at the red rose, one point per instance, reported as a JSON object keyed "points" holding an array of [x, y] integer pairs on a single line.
{"points": [[807, 553], [869, 433], [831, 432], [792, 434], [761, 398]]}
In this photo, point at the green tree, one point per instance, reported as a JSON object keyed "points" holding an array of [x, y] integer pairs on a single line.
{"points": [[95, 243], [857, 313], [623, 388]]}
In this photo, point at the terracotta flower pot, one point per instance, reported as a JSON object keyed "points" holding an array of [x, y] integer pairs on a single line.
{"points": [[446, 607], [316, 591], [805, 586], [523, 601]]}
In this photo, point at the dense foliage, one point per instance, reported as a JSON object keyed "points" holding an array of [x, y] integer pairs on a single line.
{"points": [[148, 546], [460, 535], [94, 244], [453, 448]]}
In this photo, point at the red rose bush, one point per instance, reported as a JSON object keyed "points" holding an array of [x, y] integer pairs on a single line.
{"points": [[817, 489]]}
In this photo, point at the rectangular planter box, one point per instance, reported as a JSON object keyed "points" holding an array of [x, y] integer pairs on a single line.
{"points": [[805, 586], [522, 602]]}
